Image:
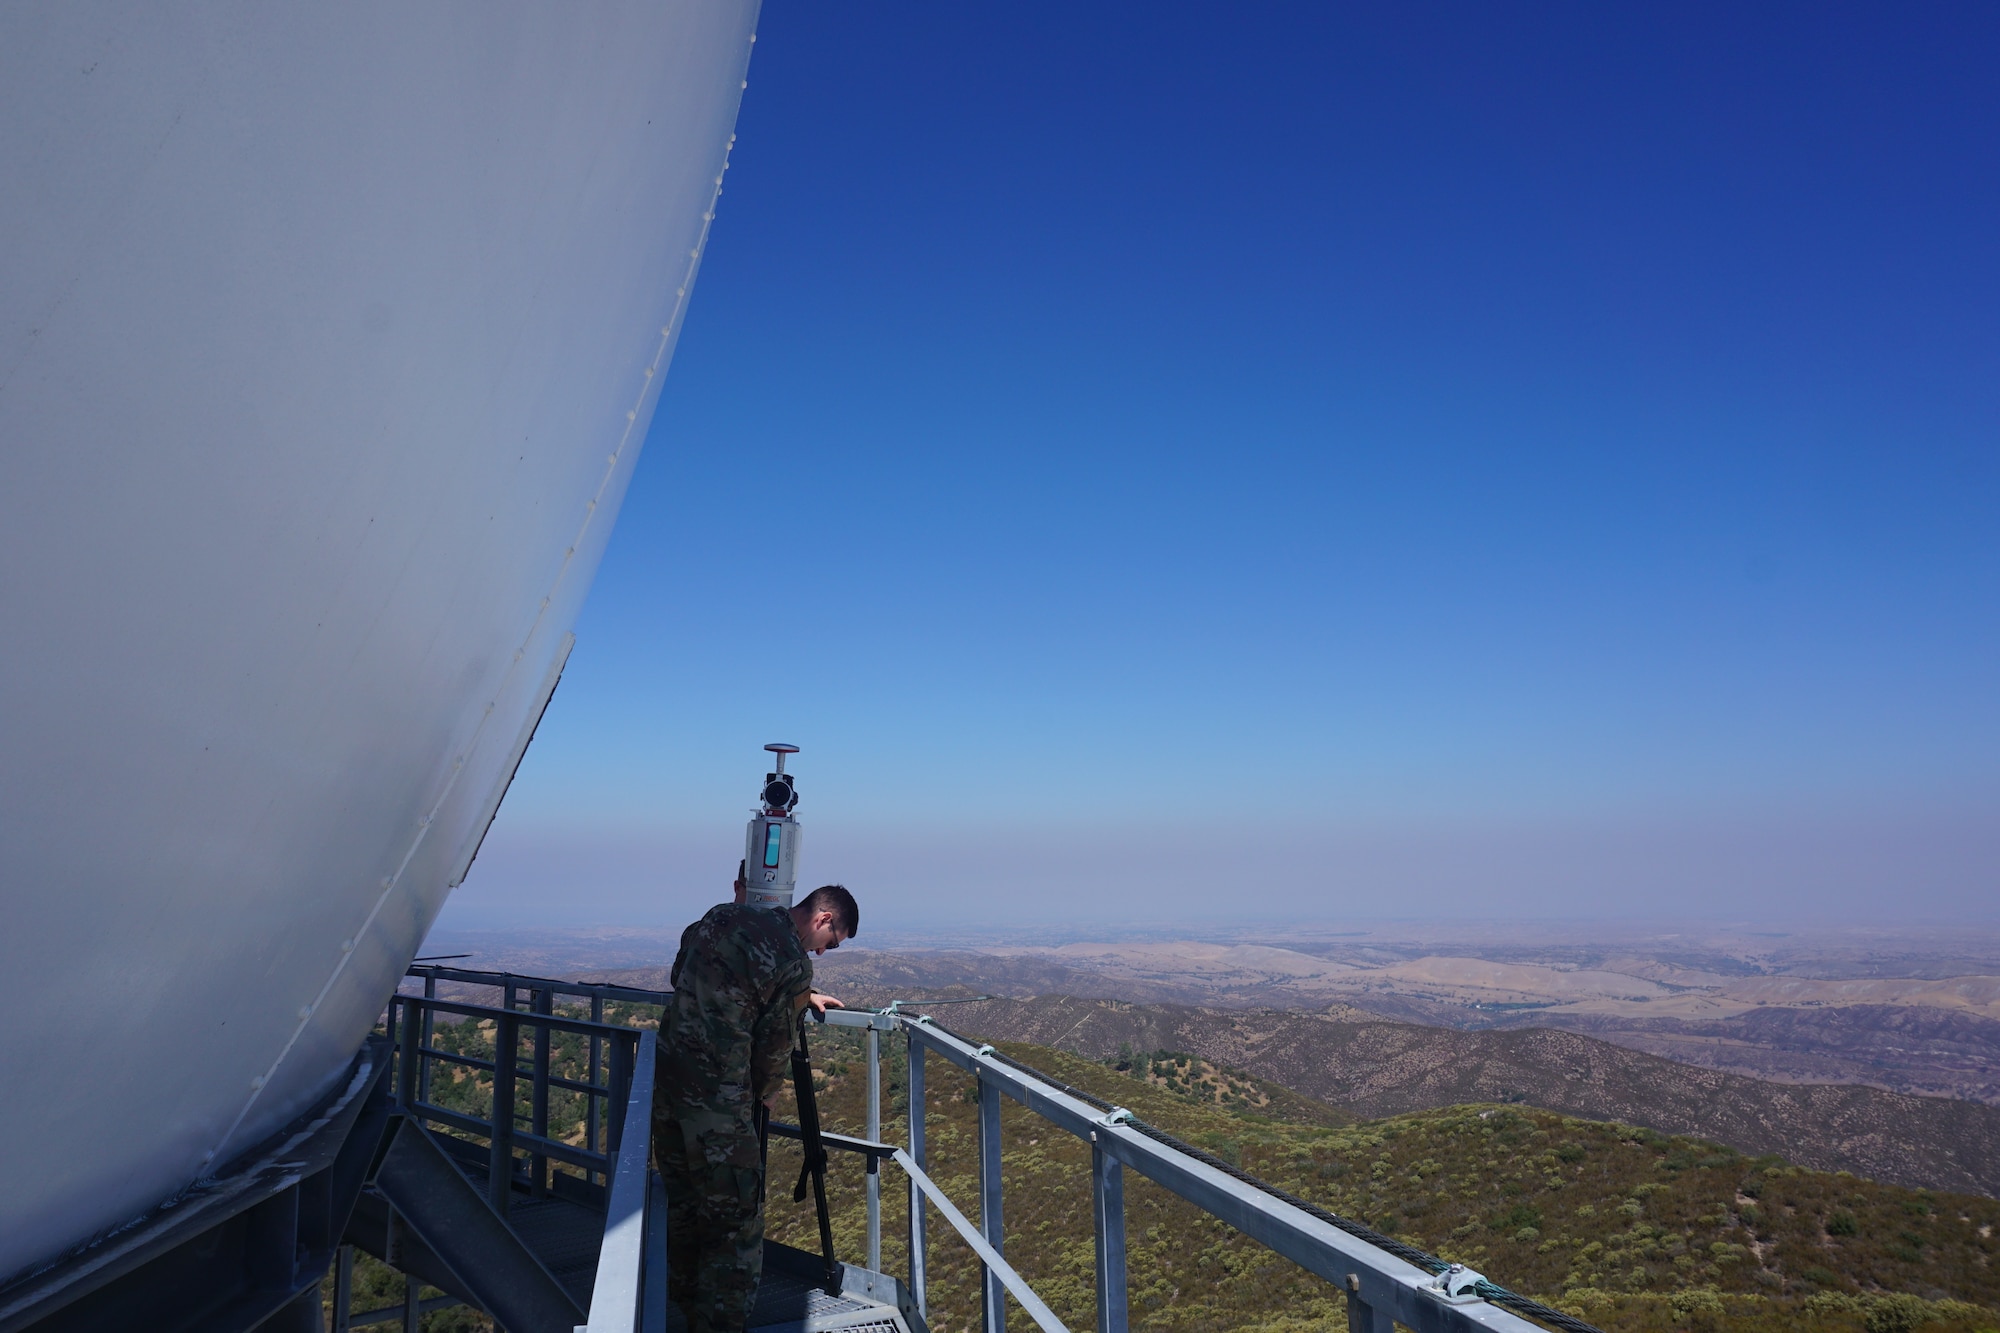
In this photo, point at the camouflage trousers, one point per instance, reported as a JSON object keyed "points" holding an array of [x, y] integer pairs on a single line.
{"points": [[715, 1221]]}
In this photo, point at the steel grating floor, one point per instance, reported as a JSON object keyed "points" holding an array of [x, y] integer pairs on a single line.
{"points": [[790, 1300], [565, 1236]]}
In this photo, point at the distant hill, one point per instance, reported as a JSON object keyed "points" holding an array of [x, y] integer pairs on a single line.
{"points": [[1929, 1037], [1637, 1231], [1375, 1067], [1905, 1048]]}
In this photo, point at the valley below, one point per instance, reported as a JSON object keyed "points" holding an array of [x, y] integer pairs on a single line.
{"points": [[1876, 1052]]}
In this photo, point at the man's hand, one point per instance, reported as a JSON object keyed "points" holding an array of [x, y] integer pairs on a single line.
{"points": [[821, 1003]]}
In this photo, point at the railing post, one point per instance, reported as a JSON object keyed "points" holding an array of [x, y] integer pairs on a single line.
{"points": [[408, 1058], [993, 1292], [1361, 1316], [343, 1289], [914, 1082], [429, 1033], [1107, 1209], [541, 1002], [621, 1092], [630, 1258], [500, 1180], [875, 1135], [590, 1076]]}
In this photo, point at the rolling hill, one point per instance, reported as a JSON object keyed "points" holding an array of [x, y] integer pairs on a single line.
{"points": [[1632, 1229]]}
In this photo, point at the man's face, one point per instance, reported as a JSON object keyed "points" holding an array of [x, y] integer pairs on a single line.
{"points": [[823, 932]]}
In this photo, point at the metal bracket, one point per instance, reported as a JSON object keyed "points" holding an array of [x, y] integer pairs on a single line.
{"points": [[1117, 1115], [1458, 1284]]}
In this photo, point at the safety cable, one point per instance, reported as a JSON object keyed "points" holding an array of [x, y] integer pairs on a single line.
{"points": [[1489, 1291]]}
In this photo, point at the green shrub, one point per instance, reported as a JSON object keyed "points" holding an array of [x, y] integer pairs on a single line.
{"points": [[1697, 1307], [1842, 1224], [1896, 1314]]}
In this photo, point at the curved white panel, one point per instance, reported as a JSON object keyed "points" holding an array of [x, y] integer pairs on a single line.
{"points": [[328, 335]]}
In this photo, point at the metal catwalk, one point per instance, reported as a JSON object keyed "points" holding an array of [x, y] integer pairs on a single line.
{"points": [[473, 1206]]}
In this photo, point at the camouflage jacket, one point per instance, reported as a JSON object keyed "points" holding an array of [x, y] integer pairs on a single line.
{"points": [[740, 980]]}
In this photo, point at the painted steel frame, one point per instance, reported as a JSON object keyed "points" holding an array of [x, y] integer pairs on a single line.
{"points": [[245, 1250]]}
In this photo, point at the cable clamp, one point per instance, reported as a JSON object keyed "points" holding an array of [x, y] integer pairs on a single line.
{"points": [[986, 1050], [1117, 1115], [1457, 1284]]}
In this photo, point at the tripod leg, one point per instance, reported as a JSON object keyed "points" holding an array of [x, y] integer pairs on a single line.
{"points": [[815, 1155]]}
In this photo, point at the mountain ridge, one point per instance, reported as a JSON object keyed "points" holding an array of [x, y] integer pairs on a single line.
{"points": [[1376, 1067]]}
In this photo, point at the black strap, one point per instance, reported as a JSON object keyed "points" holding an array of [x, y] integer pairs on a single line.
{"points": [[814, 1168], [760, 1116]]}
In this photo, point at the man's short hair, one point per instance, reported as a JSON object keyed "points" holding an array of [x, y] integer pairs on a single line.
{"points": [[836, 899]]}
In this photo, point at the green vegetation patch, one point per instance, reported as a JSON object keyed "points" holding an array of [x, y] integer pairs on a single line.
{"points": [[1633, 1229]]}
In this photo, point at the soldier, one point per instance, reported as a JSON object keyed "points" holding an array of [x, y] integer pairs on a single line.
{"points": [[740, 981]]}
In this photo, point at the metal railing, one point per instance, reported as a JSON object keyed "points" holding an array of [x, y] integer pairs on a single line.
{"points": [[618, 1300], [1381, 1286], [1384, 1281], [525, 1003], [519, 1144], [629, 1288]]}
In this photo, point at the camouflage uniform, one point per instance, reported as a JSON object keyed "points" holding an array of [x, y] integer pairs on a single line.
{"points": [[740, 982]]}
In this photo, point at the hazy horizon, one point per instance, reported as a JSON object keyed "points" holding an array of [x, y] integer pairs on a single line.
{"points": [[920, 878]]}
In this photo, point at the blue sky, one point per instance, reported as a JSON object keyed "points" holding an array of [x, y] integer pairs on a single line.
{"points": [[1216, 461]]}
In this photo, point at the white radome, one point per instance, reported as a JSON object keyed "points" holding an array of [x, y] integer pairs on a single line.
{"points": [[328, 337]]}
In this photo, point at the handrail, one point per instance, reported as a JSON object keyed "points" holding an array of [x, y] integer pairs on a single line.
{"points": [[842, 1142], [473, 976], [411, 1017], [554, 1022], [616, 1298], [1016, 1285], [1372, 1275], [1383, 1280]]}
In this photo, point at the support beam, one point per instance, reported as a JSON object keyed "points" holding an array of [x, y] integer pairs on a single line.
{"points": [[1107, 1211], [875, 1133], [302, 1314], [246, 1251], [1365, 1318], [488, 1261], [343, 1289], [922, 1159], [993, 1293], [541, 1001], [506, 1043]]}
